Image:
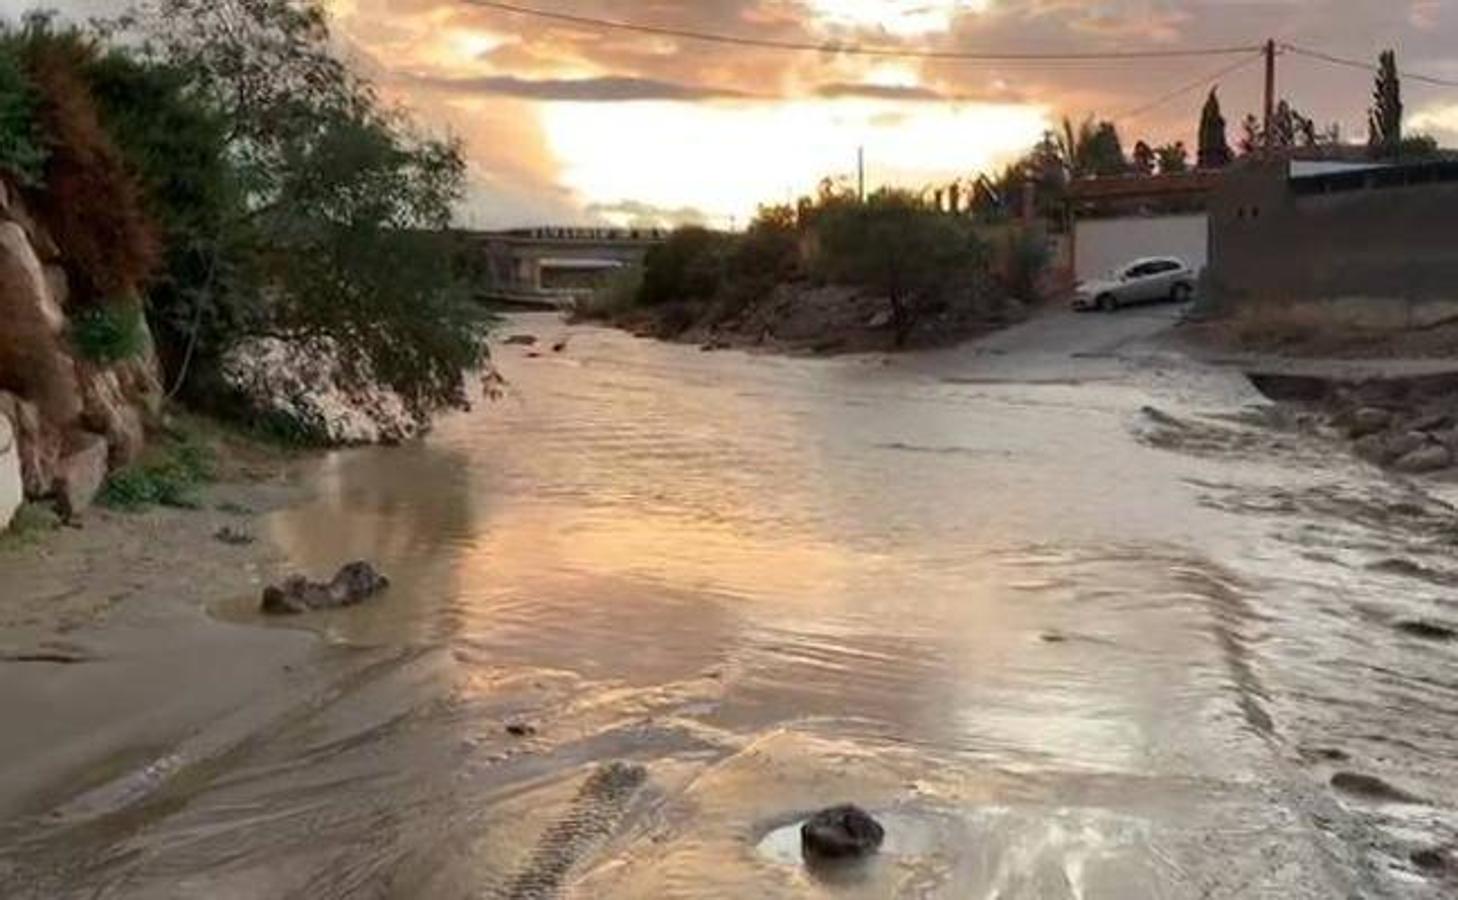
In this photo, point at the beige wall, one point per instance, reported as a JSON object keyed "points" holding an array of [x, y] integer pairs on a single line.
{"points": [[1101, 245]]}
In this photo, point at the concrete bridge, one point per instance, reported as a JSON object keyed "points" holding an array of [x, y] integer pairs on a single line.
{"points": [[554, 267]]}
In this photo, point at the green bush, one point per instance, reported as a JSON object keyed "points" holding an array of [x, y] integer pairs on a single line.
{"points": [[23, 151], [916, 256], [169, 477], [614, 297], [1028, 255], [30, 523], [690, 266], [109, 333]]}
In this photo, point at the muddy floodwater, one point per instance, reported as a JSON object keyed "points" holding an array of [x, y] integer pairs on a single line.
{"points": [[1073, 616]]}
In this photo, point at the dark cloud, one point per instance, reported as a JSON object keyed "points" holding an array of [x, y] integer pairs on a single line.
{"points": [[914, 93], [840, 89], [611, 89]]}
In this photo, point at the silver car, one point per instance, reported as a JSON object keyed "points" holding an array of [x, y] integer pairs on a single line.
{"points": [[1141, 281]]}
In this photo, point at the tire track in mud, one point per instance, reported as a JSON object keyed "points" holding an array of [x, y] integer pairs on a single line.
{"points": [[592, 816]]}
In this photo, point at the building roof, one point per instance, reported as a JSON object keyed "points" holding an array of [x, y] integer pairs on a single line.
{"points": [[1197, 183]]}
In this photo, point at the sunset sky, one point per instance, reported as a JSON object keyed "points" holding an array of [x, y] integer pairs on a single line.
{"points": [[567, 124]]}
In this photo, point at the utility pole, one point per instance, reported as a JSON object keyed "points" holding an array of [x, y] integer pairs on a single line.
{"points": [[1270, 93], [861, 173]]}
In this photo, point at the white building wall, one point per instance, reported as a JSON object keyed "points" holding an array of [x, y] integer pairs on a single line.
{"points": [[1102, 245]]}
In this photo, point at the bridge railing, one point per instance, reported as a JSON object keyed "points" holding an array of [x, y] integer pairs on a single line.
{"points": [[587, 235]]}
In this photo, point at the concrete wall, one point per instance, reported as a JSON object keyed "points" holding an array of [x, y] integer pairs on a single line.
{"points": [[1101, 245], [1375, 256]]}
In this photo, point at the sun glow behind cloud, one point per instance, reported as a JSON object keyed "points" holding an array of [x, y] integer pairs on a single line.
{"points": [[903, 18], [727, 158]]}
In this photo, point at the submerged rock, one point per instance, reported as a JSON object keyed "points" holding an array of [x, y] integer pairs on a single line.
{"points": [[352, 585], [1430, 458], [232, 537], [521, 340], [1370, 787], [1369, 420], [1428, 630], [1432, 859], [841, 833]]}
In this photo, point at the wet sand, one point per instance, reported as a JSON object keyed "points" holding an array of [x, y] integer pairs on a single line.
{"points": [[108, 653], [1074, 615]]}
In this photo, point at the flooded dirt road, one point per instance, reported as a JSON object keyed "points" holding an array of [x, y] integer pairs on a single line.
{"points": [[1074, 616]]}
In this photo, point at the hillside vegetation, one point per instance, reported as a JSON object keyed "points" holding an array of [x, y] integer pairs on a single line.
{"points": [[211, 169], [834, 272]]}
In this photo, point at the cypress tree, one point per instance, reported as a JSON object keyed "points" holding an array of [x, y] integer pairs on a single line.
{"points": [[1385, 120], [1214, 152]]}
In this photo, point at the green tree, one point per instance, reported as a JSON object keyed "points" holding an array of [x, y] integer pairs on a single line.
{"points": [[688, 267], [1290, 129], [346, 205], [23, 150], [1143, 159], [1419, 146], [897, 245], [1384, 138], [208, 292], [1173, 158], [1093, 149], [1214, 151]]}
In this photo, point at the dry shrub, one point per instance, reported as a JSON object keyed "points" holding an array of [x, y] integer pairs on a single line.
{"points": [[91, 204], [1261, 325]]}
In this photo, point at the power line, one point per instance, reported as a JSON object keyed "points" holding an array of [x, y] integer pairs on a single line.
{"points": [[848, 49], [1365, 66], [1183, 89]]}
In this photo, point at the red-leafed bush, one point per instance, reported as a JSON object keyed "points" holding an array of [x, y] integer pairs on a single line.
{"points": [[91, 203]]}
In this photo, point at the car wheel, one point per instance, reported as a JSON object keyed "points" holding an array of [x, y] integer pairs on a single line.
{"points": [[1107, 302], [1181, 293]]}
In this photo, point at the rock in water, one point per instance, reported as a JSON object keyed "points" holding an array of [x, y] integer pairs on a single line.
{"points": [[1429, 458], [840, 833], [352, 585], [1369, 420]]}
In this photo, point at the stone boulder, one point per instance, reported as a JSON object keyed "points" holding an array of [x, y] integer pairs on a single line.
{"points": [[352, 585], [38, 446], [305, 385], [30, 276], [12, 489], [108, 411], [80, 475], [840, 833], [33, 360]]}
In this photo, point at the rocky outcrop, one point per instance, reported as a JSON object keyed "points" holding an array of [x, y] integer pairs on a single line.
{"points": [[352, 585], [79, 476], [71, 421], [1409, 425], [12, 491], [303, 387]]}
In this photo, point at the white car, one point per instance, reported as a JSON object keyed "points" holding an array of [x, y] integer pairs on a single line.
{"points": [[1141, 281]]}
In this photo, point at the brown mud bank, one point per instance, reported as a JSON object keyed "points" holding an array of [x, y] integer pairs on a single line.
{"points": [[816, 320]]}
